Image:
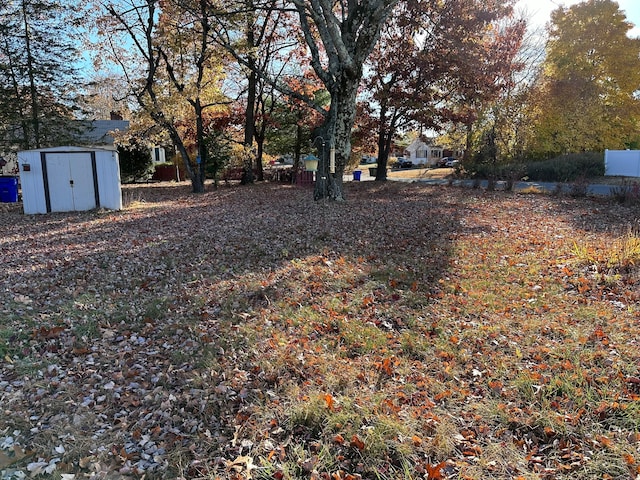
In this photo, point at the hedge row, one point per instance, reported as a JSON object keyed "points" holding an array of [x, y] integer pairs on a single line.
{"points": [[565, 168]]}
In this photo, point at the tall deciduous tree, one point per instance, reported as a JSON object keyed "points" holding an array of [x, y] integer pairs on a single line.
{"points": [[340, 37], [176, 74], [269, 48], [262, 38], [588, 93], [38, 80], [436, 61]]}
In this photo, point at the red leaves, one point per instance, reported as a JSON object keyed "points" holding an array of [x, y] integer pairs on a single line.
{"points": [[48, 333], [367, 301], [385, 366], [216, 343], [357, 443], [583, 285], [434, 471]]}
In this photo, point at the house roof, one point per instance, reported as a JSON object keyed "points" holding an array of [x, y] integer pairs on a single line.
{"points": [[420, 143], [99, 132], [415, 145]]}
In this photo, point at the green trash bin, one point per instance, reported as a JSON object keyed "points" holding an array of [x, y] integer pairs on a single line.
{"points": [[8, 189], [356, 175], [373, 171]]}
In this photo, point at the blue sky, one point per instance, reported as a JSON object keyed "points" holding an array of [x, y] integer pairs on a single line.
{"points": [[541, 10]]}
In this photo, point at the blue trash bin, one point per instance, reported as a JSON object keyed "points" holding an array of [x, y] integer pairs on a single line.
{"points": [[8, 189], [356, 175]]}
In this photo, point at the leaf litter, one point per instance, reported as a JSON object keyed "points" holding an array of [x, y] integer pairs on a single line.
{"points": [[412, 332]]}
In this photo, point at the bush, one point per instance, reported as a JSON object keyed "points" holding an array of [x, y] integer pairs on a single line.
{"points": [[567, 168], [136, 163], [627, 192], [509, 173]]}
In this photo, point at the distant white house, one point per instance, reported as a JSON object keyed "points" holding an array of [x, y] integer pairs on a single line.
{"points": [[422, 152], [158, 155]]}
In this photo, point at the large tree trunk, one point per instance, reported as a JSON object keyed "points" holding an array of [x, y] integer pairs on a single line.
{"points": [[197, 174], [197, 181], [337, 135], [35, 102], [384, 146]]}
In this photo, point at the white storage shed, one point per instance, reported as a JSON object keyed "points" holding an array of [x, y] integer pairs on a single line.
{"points": [[65, 179]]}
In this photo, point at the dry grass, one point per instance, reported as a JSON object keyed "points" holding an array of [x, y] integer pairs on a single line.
{"points": [[413, 332], [439, 173]]}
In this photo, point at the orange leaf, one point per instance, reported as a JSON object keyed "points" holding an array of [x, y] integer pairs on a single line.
{"points": [[440, 396], [603, 440], [385, 366], [433, 471], [496, 385], [356, 442], [48, 333], [566, 365], [328, 398]]}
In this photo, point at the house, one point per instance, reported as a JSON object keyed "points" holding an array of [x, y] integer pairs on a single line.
{"points": [[422, 152]]}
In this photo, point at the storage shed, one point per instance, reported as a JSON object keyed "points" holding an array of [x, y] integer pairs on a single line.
{"points": [[65, 179]]}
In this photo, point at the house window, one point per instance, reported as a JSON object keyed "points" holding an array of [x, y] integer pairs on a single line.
{"points": [[421, 154]]}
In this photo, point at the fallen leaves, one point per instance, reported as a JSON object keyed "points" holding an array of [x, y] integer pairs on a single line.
{"points": [[178, 340]]}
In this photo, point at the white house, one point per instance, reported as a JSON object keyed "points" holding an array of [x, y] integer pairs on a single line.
{"points": [[64, 179], [422, 152]]}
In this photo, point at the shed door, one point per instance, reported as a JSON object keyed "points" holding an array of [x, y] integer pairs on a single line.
{"points": [[71, 182]]}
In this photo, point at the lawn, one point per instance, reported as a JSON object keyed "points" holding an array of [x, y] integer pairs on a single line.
{"points": [[412, 332]]}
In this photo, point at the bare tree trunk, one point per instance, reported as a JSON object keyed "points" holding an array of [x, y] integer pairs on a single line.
{"points": [[250, 119], [297, 152], [337, 130], [35, 104], [384, 146]]}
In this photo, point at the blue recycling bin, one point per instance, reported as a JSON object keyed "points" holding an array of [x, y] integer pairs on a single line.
{"points": [[8, 189], [356, 175]]}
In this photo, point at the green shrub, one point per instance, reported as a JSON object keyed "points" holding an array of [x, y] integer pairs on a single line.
{"points": [[567, 168], [135, 162]]}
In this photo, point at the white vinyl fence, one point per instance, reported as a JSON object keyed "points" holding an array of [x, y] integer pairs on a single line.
{"points": [[624, 163]]}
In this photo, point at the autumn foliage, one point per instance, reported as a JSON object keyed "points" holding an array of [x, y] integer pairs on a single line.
{"points": [[413, 332]]}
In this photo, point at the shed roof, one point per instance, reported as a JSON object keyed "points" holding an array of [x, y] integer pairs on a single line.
{"points": [[72, 148]]}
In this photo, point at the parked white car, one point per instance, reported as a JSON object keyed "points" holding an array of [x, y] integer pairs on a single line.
{"points": [[451, 163]]}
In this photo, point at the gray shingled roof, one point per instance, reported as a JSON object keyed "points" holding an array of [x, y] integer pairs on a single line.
{"points": [[99, 131]]}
